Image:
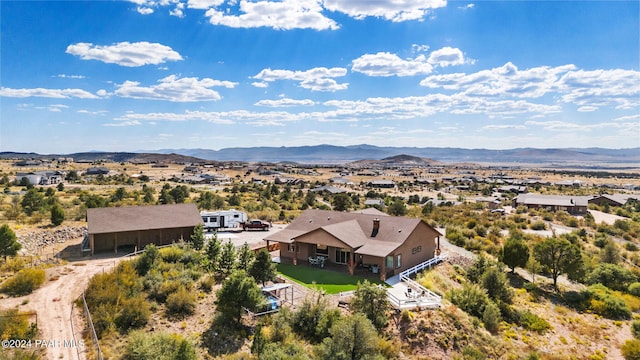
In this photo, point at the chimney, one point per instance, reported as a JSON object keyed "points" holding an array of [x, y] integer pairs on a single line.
{"points": [[376, 227]]}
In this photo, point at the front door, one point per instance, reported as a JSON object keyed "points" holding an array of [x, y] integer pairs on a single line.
{"points": [[221, 221]]}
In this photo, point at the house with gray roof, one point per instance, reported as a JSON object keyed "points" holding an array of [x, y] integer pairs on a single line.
{"points": [[614, 199], [385, 244], [137, 226], [575, 205]]}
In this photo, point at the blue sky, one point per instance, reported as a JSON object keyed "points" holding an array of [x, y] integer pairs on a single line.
{"points": [[158, 74]]}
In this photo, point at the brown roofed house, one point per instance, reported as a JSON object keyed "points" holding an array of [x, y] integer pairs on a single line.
{"points": [[138, 226], [386, 245]]}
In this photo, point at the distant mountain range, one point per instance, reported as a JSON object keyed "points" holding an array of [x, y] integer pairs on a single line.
{"points": [[344, 154], [330, 154]]}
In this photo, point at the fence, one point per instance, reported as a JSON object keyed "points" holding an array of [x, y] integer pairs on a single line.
{"points": [[92, 330]]}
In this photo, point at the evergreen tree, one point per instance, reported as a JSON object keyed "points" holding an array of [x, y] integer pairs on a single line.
{"points": [[245, 258], [9, 244], [557, 257], [372, 300], [263, 269], [352, 338], [197, 238], [237, 292], [227, 258], [57, 214], [32, 201], [514, 253], [213, 253]]}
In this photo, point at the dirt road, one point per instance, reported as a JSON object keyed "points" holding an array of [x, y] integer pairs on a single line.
{"points": [[53, 303]]}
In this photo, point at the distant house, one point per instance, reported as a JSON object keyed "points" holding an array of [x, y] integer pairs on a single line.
{"points": [[614, 200], [137, 226], [385, 244], [492, 203], [575, 205], [329, 189], [28, 163], [512, 189], [97, 171], [41, 177], [374, 202], [383, 184]]}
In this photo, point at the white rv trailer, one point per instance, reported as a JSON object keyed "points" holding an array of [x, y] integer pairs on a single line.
{"points": [[227, 219]]}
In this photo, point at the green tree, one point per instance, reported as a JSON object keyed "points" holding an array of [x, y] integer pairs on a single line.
{"points": [[397, 208], [72, 176], [179, 194], [610, 253], [495, 282], [613, 276], [310, 198], [259, 341], [148, 192], [352, 338], [245, 257], [238, 291], [234, 200], [197, 238], [32, 201], [227, 258], [213, 253], [514, 253], [205, 200], [165, 195], [315, 317], [372, 300], [9, 244], [263, 269], [341, 202], [557, 257], [119, 195], [57, 214], [147, 259]]}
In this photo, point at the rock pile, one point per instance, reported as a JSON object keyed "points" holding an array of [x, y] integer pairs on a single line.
{"points": [[33, 241]]}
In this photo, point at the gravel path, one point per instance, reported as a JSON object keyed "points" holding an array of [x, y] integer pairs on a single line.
{"points": [[54, 300]]}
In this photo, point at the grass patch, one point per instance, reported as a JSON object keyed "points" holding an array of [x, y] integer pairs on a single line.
{"points": [[330, 281]]}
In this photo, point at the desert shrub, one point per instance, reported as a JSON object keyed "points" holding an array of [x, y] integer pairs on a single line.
{"points": [[538, 225], [13, 264], [206, 284], [631, 246], [161, 346], [471, 353], [171, 254], [471, 298], [635, 329], [134, 313], [24, 282], [491, 317], [167, 288], [314, 318], [495, 282], [603, 302], [613, 276], [631, 349], [182, 302], [103, 319], [533, 322], [634, 289], [15, 325]]}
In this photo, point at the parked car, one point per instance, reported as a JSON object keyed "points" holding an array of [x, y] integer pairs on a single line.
{"points": [[256, 225]]}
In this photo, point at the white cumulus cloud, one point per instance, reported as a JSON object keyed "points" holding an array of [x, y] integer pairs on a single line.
{"points": [[447, 56], [387, 64], [47, 93], [172, 88], [394, 10], [125, 53], [316, 79], [285, 102], [203, 4], [281, 15]]}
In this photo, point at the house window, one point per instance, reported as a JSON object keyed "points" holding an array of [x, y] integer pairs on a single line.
{"points": [[398, 260], [292, 248], [416, 249], [322, 250], [342, 256], [389, 262]]}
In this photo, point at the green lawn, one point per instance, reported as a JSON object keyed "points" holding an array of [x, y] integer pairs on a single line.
{"points": [[330, 281]]}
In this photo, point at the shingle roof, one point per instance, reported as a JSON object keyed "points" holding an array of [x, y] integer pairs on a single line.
{"points": [[353, 229], [133, 218], [552, 200]]}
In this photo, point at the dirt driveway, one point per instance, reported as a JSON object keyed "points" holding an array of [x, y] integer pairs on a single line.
{"points": [[53, 303]]}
